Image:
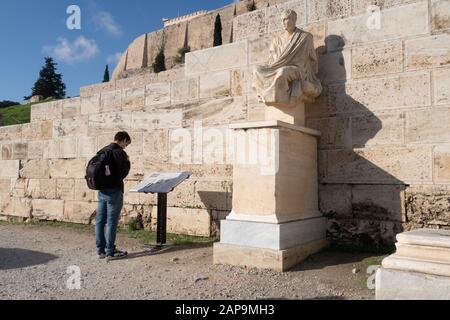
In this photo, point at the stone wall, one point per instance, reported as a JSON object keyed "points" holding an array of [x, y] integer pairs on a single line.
{"points": [[197, 33], [385, 121], [384, 115], [384, 154], [43, 163]]}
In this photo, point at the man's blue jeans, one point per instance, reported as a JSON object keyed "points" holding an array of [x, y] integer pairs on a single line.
{"points": [[110, 203]]}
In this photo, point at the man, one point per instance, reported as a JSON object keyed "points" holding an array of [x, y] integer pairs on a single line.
{"points": [[290, 76], [110, 201]]}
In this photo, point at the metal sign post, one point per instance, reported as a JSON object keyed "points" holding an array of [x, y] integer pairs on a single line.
{"points": [[161, 227]]}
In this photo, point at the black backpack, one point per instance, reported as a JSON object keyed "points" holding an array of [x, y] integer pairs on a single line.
{"points": [[96, 171]]}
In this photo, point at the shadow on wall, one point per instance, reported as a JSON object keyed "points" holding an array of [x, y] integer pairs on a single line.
{"points": [[14, 258], [219, 205], [363, 202], [216, 200]]}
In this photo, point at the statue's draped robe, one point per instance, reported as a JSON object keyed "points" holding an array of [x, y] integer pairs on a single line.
{"points": [[290, 76]]}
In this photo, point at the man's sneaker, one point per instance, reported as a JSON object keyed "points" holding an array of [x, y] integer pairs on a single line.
{"points": [[102, 256], [116, 255]]}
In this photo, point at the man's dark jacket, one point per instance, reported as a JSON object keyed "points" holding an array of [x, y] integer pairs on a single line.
{"points": [[119, 166]]}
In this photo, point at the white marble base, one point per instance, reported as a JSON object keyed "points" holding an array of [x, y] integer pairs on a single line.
{"points": [[278, 260], [419, 270], [272, 236], [404, 285], [275, 221], [426, 237], [431, 267]]}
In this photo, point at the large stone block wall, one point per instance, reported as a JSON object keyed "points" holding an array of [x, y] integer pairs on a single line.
{"points": [[43, 163], [384, 114], [383, 155], [386, 127]]}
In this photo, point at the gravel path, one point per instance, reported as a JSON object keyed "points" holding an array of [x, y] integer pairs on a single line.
{"points": [[34, 262]]}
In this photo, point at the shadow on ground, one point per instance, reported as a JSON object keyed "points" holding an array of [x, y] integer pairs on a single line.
{"points": [[148, 250], [15, 258], [332, 257]]}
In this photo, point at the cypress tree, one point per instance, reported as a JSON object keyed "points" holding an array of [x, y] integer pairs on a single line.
{"points": [[218, 31], [160, 62], [106, 74]]}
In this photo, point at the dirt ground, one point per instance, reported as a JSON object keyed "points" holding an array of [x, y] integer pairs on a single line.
{"points": [[34, 262]]}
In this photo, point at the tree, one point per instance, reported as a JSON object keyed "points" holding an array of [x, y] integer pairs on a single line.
{"points": [[251, 6], [7, 103], [180, 58], [49, 84], [106, 74], [218, 31], [160, 61]]}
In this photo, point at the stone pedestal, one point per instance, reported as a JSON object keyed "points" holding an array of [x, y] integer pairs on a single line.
{"points": [[275, 222], [291, 115], [419, 270]]}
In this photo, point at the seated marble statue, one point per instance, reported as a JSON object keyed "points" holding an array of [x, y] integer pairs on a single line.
{"points": [[290, 76]]}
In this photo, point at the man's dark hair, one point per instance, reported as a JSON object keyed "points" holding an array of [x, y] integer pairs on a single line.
{"points": [[122, 136]]}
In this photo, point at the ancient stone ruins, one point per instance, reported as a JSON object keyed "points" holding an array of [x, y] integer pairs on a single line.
{"points": [[316, 121]]}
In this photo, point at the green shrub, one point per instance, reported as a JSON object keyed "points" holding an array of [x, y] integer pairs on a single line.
{"points": [[135, 224], [251, 6], [180, 58], [6, 104]]}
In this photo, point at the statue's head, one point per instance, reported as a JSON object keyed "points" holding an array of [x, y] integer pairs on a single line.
{"points": [[289, 20]]}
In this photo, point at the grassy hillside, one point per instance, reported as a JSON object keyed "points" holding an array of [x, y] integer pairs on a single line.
{"points": [[16, 114]]}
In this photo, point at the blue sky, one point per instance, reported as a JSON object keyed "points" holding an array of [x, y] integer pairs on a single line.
{"points": [[33, 29]]}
